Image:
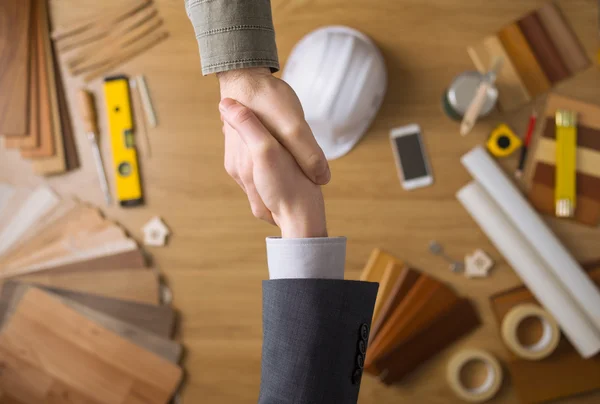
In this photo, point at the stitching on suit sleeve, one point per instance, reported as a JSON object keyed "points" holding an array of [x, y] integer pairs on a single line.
{"points": [[231, 62], [235, 28], [194, 3]]}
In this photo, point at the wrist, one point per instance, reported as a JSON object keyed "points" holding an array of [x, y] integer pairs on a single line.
{"points": [[303, 226], [250, 73]]}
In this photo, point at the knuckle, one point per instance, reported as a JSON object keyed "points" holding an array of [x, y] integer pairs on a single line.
{"points": [[316, 162], [242, 115], [258, 211], [292, 131], [230, 168], [267, 151]]}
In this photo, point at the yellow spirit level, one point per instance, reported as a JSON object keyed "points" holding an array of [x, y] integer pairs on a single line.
{"points": [[566, 152], [120, 122]]}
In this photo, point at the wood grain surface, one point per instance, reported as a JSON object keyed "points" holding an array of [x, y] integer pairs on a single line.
{"points": [[159, 320], [15, 26], [562, 374], [216, 261], [46, 340], [522, 56]]}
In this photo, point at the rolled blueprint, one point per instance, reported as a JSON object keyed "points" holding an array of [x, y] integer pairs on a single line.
{"points": [[556, 257], [532, 269]]}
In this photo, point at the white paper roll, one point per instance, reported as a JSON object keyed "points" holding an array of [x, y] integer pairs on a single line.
{"points": [[556, 257], [531, 268]]}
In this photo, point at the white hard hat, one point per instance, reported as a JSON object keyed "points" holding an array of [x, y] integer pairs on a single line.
{"points": [[340, 77]]}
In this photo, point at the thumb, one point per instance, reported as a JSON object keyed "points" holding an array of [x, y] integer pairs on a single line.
{"points": [[247, 125]]}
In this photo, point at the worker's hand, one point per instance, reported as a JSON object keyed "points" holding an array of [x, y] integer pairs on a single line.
{"points": [[278, 108], [278, 190]]}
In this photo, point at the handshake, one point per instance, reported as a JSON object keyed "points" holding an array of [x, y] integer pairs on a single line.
{"points": [[271, 152]]}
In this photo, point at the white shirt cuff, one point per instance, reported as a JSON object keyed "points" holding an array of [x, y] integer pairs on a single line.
{"points": [[306, 258]]}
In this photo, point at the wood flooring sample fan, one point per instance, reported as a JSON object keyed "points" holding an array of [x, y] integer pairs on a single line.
{"points": [[47, 344]]}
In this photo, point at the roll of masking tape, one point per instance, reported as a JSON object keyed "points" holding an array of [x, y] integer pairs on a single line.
{"points": [[547, 342], [485, 390]]}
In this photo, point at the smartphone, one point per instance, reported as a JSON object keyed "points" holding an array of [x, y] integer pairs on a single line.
{"points": [[413, 167]]}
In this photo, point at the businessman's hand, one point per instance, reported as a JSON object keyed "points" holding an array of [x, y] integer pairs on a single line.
{"points": [[278, 108], [278, 190]]}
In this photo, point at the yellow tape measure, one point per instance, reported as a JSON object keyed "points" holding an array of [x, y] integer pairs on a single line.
{"points": [[566, 154], [503, 141], [120, 122]]}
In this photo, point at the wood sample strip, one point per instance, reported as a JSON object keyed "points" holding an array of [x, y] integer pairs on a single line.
{"points": [[133, 259], [586, 137], [390, 275], [511, 91], [562, 374], [542, 198], [159, 320], [587, 114], [455, 322], [568, 46], [544, 50], [55, 164], [15, 26], [134, 285], [376, 265], [71, 156], [427, 299], [6, 193], [12, 205], [45, 147], [522, 57], [403, 284], [587, 160], [56, 340], [38, 204], [31, 138], [587, 185]]}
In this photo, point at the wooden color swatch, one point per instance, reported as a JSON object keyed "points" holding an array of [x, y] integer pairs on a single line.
{"points": [[55, 164], [456, 321], [587, 211], [587, 114], [15, 21], [159, 320], [511, 91], [390, 276], [564, 39], [71, 156], [543, 48], [522, 56], [376, 265], [6, 193], [161, 346], [425, 301], [85, 358], [587, 160], [32, 137], [403, 284], [134, 285], [562, 374], [133, 259], [45, 147]]}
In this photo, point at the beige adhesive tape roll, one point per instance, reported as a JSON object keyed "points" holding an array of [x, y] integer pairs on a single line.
{"points": [[487, 389], [547, 342]]}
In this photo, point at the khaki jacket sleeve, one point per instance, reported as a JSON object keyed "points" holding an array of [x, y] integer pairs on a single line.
{"points": [[233, 34]]}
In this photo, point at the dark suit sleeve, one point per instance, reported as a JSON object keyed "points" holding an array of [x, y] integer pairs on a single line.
{"points": [[315, 335]]}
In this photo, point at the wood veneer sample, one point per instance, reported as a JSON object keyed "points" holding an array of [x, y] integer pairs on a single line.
{"points": [[425, 301], [587, 114], [543, 48], [587, 160], [541, 198], [15, 26], [522, 57], [587, 185], [45, 147], [403, 284], [31, 138], [456, 321], [86, 358], [133, 259], [134, 285], [564, 373], [56, 163], [586, 137], [157, 319], [511, 91], [376, 265], [390, 275], [568, 46], [71, 156], [162, 346]]}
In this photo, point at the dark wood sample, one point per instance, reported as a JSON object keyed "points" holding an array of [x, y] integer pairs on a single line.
{"points": [[15, 27], [586, 136], [543, 48], [159, 320], [458, 320], [587, 185]]}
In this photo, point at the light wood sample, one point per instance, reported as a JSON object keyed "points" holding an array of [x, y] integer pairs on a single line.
{"points": [[388, 280], [46, 340]]}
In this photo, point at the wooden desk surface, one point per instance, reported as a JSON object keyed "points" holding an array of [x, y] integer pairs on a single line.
{"points": [[216, 259]]}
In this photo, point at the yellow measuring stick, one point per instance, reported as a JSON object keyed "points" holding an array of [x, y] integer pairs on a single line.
{"points": [[120, 122], [566, 151]]}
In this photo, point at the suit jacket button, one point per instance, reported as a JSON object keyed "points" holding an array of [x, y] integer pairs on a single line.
{"points": [[364, 332], [362, 347], [360, 361], [356, 376]]}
